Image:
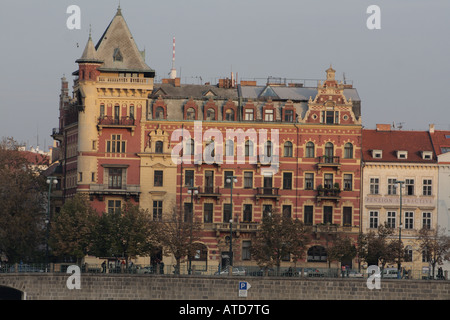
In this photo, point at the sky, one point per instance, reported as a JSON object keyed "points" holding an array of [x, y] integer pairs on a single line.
{"points": [[401, 71]]}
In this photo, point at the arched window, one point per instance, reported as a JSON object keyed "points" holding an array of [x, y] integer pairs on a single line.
{"points": [[211, 114], [329, 151], [190, 147], [249, 148], [288, 149], [309, 150], [159, 113], [229, 115], [348, 151], [159, 147], [190, 114], [229, 148], [268, 149], [317, 254]]}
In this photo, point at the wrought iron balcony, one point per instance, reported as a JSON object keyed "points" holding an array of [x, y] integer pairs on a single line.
{"points": [[209, 192], [112, 121], [329, 161], [266, 192], [101, 190], [328, 194]]}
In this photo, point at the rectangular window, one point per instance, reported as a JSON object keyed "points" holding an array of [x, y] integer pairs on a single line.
{"points": [[427, 183], [287, 180], [347, 218], [227, 175], [208, 212], [158, 178], [247, 212], [226, 212], [409, 220], [426, 220], [248, 180], [267, 210], [409, 184], [246, 245], [373, 219], [157, 210], [391, 216], [116, 144], [115, 178], [348, 182], [308, 213], [392, 186], [287, 211], [188, 211], [309, 181], [327, 214], [249, 114], [328, 181], [288, 115], [374, 185], [189, 178], [114, 206], [268, 115]]}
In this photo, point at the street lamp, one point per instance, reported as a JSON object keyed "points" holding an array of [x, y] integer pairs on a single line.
{"points": [[50, 181], [231, 181], [191, 191], [401, 183]]}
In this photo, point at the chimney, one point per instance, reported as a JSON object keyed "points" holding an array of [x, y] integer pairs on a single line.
{"points": [[431, 128], [383, 127]]}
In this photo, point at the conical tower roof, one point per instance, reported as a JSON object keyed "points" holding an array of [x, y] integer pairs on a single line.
{"points": [[118, 50], [89, 53]]}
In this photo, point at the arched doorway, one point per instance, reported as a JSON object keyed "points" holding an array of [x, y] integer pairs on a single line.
{"points": [[7, 293]]}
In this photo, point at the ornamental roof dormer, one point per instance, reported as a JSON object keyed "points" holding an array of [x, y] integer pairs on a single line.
{"points": [[330, 105]]}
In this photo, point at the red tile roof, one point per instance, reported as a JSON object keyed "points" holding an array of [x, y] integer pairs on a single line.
{"points": [[440, 140], [391, 141]]}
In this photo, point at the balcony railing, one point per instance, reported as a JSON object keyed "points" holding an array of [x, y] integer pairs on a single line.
{"points": [[266, 192], [209, 192], [328, 194], [129, 190], [112, 121], [237, 227], [122, 80], [329, 161]]}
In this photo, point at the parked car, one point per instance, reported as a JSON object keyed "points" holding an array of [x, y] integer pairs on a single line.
{"points": [[354, 274], [292, 272], [237, 271], [262, 272], [313, 272], [390, 273], [26, 268]]}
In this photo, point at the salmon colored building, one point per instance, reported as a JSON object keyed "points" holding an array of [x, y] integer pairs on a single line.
{"points": [[284, 146]]}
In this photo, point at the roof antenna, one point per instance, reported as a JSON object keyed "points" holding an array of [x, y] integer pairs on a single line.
{"points": [[173, 71]]}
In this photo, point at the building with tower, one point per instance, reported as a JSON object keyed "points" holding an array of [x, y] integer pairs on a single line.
{"points": [[285, 147]]}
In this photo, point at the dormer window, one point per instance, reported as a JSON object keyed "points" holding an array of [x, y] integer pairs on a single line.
{"points": [[427, 155], [117, 56], [401, 154], [377, 154]]}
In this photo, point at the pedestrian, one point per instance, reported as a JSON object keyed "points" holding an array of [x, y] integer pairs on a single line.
{"points": [[104, 266]]}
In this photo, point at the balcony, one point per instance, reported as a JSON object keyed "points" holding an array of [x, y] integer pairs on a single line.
{"points": [[328, 194], [101, 190], [237, 227], [267, 193], [123, 80], [57, 134], [213, 192], [328, 162], [112, 122]]}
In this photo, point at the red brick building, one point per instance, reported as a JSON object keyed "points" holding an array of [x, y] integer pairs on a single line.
{"points": [[291, 148]]}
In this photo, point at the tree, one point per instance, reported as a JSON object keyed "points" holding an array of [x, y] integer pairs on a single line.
{"points": [[279, 237], [343, 249], [126, 233], [179, 235], [435, 245], [22, 209], [374, 248], [72, 229]]}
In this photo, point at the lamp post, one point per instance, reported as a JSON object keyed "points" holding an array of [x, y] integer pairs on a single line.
{"points": [[50, 181], [231, 180], [191, 191], [401, 183]]}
